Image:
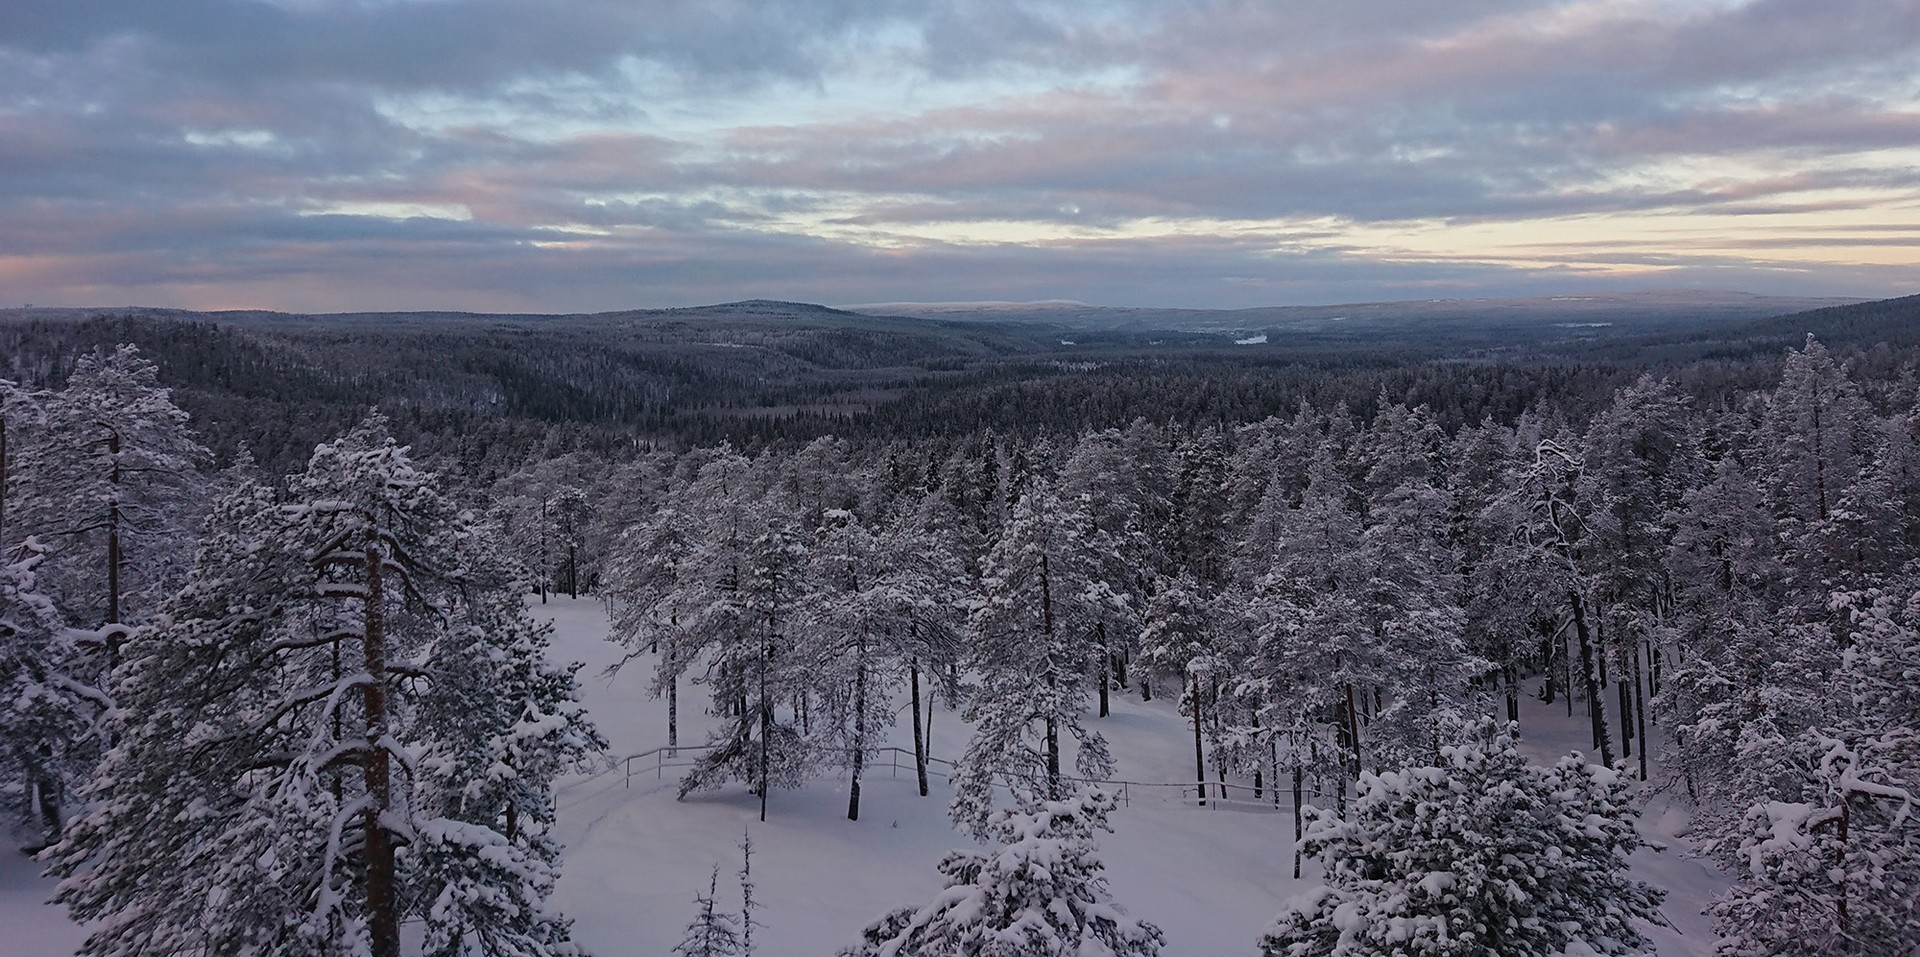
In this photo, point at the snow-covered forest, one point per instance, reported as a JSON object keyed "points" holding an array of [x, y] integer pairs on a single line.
{"points": [[320, 709]]}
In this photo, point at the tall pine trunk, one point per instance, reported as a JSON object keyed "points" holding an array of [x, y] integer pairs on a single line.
{"points": [[114, 637], [859, 725], [1053, 726], [1299, 816], [3, 478], [1199, 750], [919, 741], [1106, 658], [1590, 676], [383, 911], [1640, 710]]}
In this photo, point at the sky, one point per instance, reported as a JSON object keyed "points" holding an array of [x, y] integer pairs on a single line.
{"points": [[588, 155]]}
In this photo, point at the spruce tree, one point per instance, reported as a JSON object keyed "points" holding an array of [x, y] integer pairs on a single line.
{"points": [[1481, 855], [1041, 891]]}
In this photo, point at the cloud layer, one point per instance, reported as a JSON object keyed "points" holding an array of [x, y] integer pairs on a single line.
{"points": [[601, 154]]}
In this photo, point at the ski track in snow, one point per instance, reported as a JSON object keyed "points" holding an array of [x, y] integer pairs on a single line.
{"points": [[1212, 878]]}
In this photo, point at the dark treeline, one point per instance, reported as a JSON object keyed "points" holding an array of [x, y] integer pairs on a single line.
{"points": [[487, 392]]}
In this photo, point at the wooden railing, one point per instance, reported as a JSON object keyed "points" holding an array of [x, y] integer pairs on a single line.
{"points": [[1219, 795]]}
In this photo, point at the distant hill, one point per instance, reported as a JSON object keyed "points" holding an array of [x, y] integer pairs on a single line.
{"points": [[1636, 309], [484, 387]]}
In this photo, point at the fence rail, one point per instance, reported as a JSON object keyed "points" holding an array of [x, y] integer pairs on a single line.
{"points": [[1219, 795]]}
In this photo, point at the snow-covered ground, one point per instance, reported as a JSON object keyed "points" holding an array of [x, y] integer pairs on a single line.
{"points": [[1212, 878]]}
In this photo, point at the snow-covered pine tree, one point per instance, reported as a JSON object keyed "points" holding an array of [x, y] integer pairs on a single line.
{"points": [[1640, 461], [648, 591], [1040, 892], [1543, 519], [570, 512], [49, 711], [1483, 855], [1828, 855], [1424, 689], [1035, 665], [1119, 556], [1179, 634], [1731, 660], [744, 584], [506, 723], [1816, 436], [116, 485], [1305, 588], [21, 417], [1199, 506], [843, 630], [339, 723], [929, 589], [711, 933]]}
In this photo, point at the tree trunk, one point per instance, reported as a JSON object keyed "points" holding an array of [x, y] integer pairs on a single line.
{"points": [[673, 710], [1105, 663], [1566, 673], [383, 911], [1299, 819], [1625, 694], [1353, 731], [3, 479], [859, 725], [1547, 645], [1259, 767], [1596, 701], [114, 636], [1199, 750], [1053, 727], [766, 722], [919, 742], [929, 744], [1640, 710]]}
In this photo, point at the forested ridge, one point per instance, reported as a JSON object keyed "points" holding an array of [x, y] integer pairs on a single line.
{"points": [[1347, 569]]}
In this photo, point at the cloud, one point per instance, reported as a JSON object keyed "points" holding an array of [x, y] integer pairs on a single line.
{"points": [[603, 153]]}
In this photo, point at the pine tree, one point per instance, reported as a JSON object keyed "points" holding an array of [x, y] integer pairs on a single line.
{"points": [[1035, 665], [1828, 851], [21, 420], [1482, 855], [342, 721], [1178, 642], [1816, 435], [712, 932], [1040, 892], [49, 713], [649, 591], [1119, 555], [115, 483], [744, 586]]}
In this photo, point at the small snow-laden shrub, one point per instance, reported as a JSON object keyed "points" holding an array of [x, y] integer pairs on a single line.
{"points": [[1041, 892], [1483, 855]]}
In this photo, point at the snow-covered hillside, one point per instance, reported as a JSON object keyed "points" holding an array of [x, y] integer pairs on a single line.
{"points": [[1211, 878]]}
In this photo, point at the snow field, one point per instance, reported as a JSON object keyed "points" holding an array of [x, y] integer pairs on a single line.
{"points": [[1213, 879]]}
